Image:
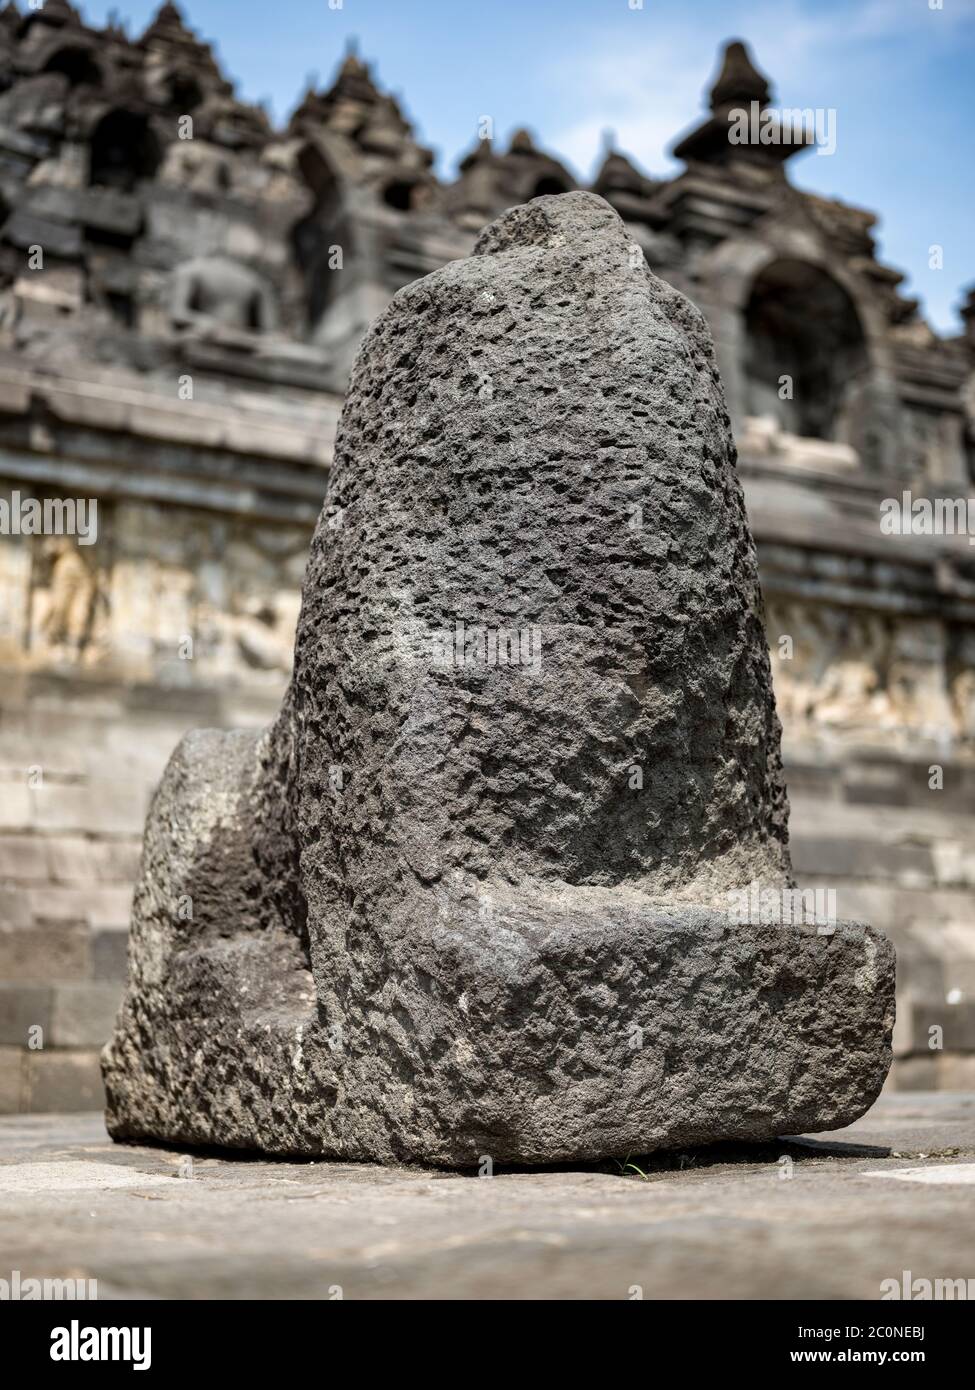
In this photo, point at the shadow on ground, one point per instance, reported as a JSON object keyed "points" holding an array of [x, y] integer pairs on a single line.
{"points": [[629, 1165]]}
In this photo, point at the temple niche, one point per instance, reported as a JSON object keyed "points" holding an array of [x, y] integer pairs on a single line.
{"points": [[124, 151], [371, 218], [807, 365], [318, 232], [78, 63]]}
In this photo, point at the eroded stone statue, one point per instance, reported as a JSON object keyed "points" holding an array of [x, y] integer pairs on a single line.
{"points": [[455, 903]]}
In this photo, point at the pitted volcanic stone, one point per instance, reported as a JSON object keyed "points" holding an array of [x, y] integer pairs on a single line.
{"points": [[453, 904]]}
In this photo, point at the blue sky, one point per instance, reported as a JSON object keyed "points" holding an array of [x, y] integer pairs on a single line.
{"points": [[899, 74]]}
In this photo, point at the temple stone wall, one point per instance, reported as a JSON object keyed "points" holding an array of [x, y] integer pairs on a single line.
{"points": [[180, 614], [79, 759], [172, 620]]}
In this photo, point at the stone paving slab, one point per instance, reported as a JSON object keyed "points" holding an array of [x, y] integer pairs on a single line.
{"points": [[709, 1223]]}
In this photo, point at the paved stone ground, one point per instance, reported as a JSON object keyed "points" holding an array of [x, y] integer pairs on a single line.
{"points": [[890, 1193]]}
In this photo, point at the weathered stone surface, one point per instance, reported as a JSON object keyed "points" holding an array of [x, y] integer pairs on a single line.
{"points": [[454, 905]]}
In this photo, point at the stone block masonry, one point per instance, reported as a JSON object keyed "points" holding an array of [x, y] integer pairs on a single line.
{"points": [[76, 775]]}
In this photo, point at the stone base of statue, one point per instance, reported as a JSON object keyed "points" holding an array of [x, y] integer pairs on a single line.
{"points": [[529, 1028]]}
